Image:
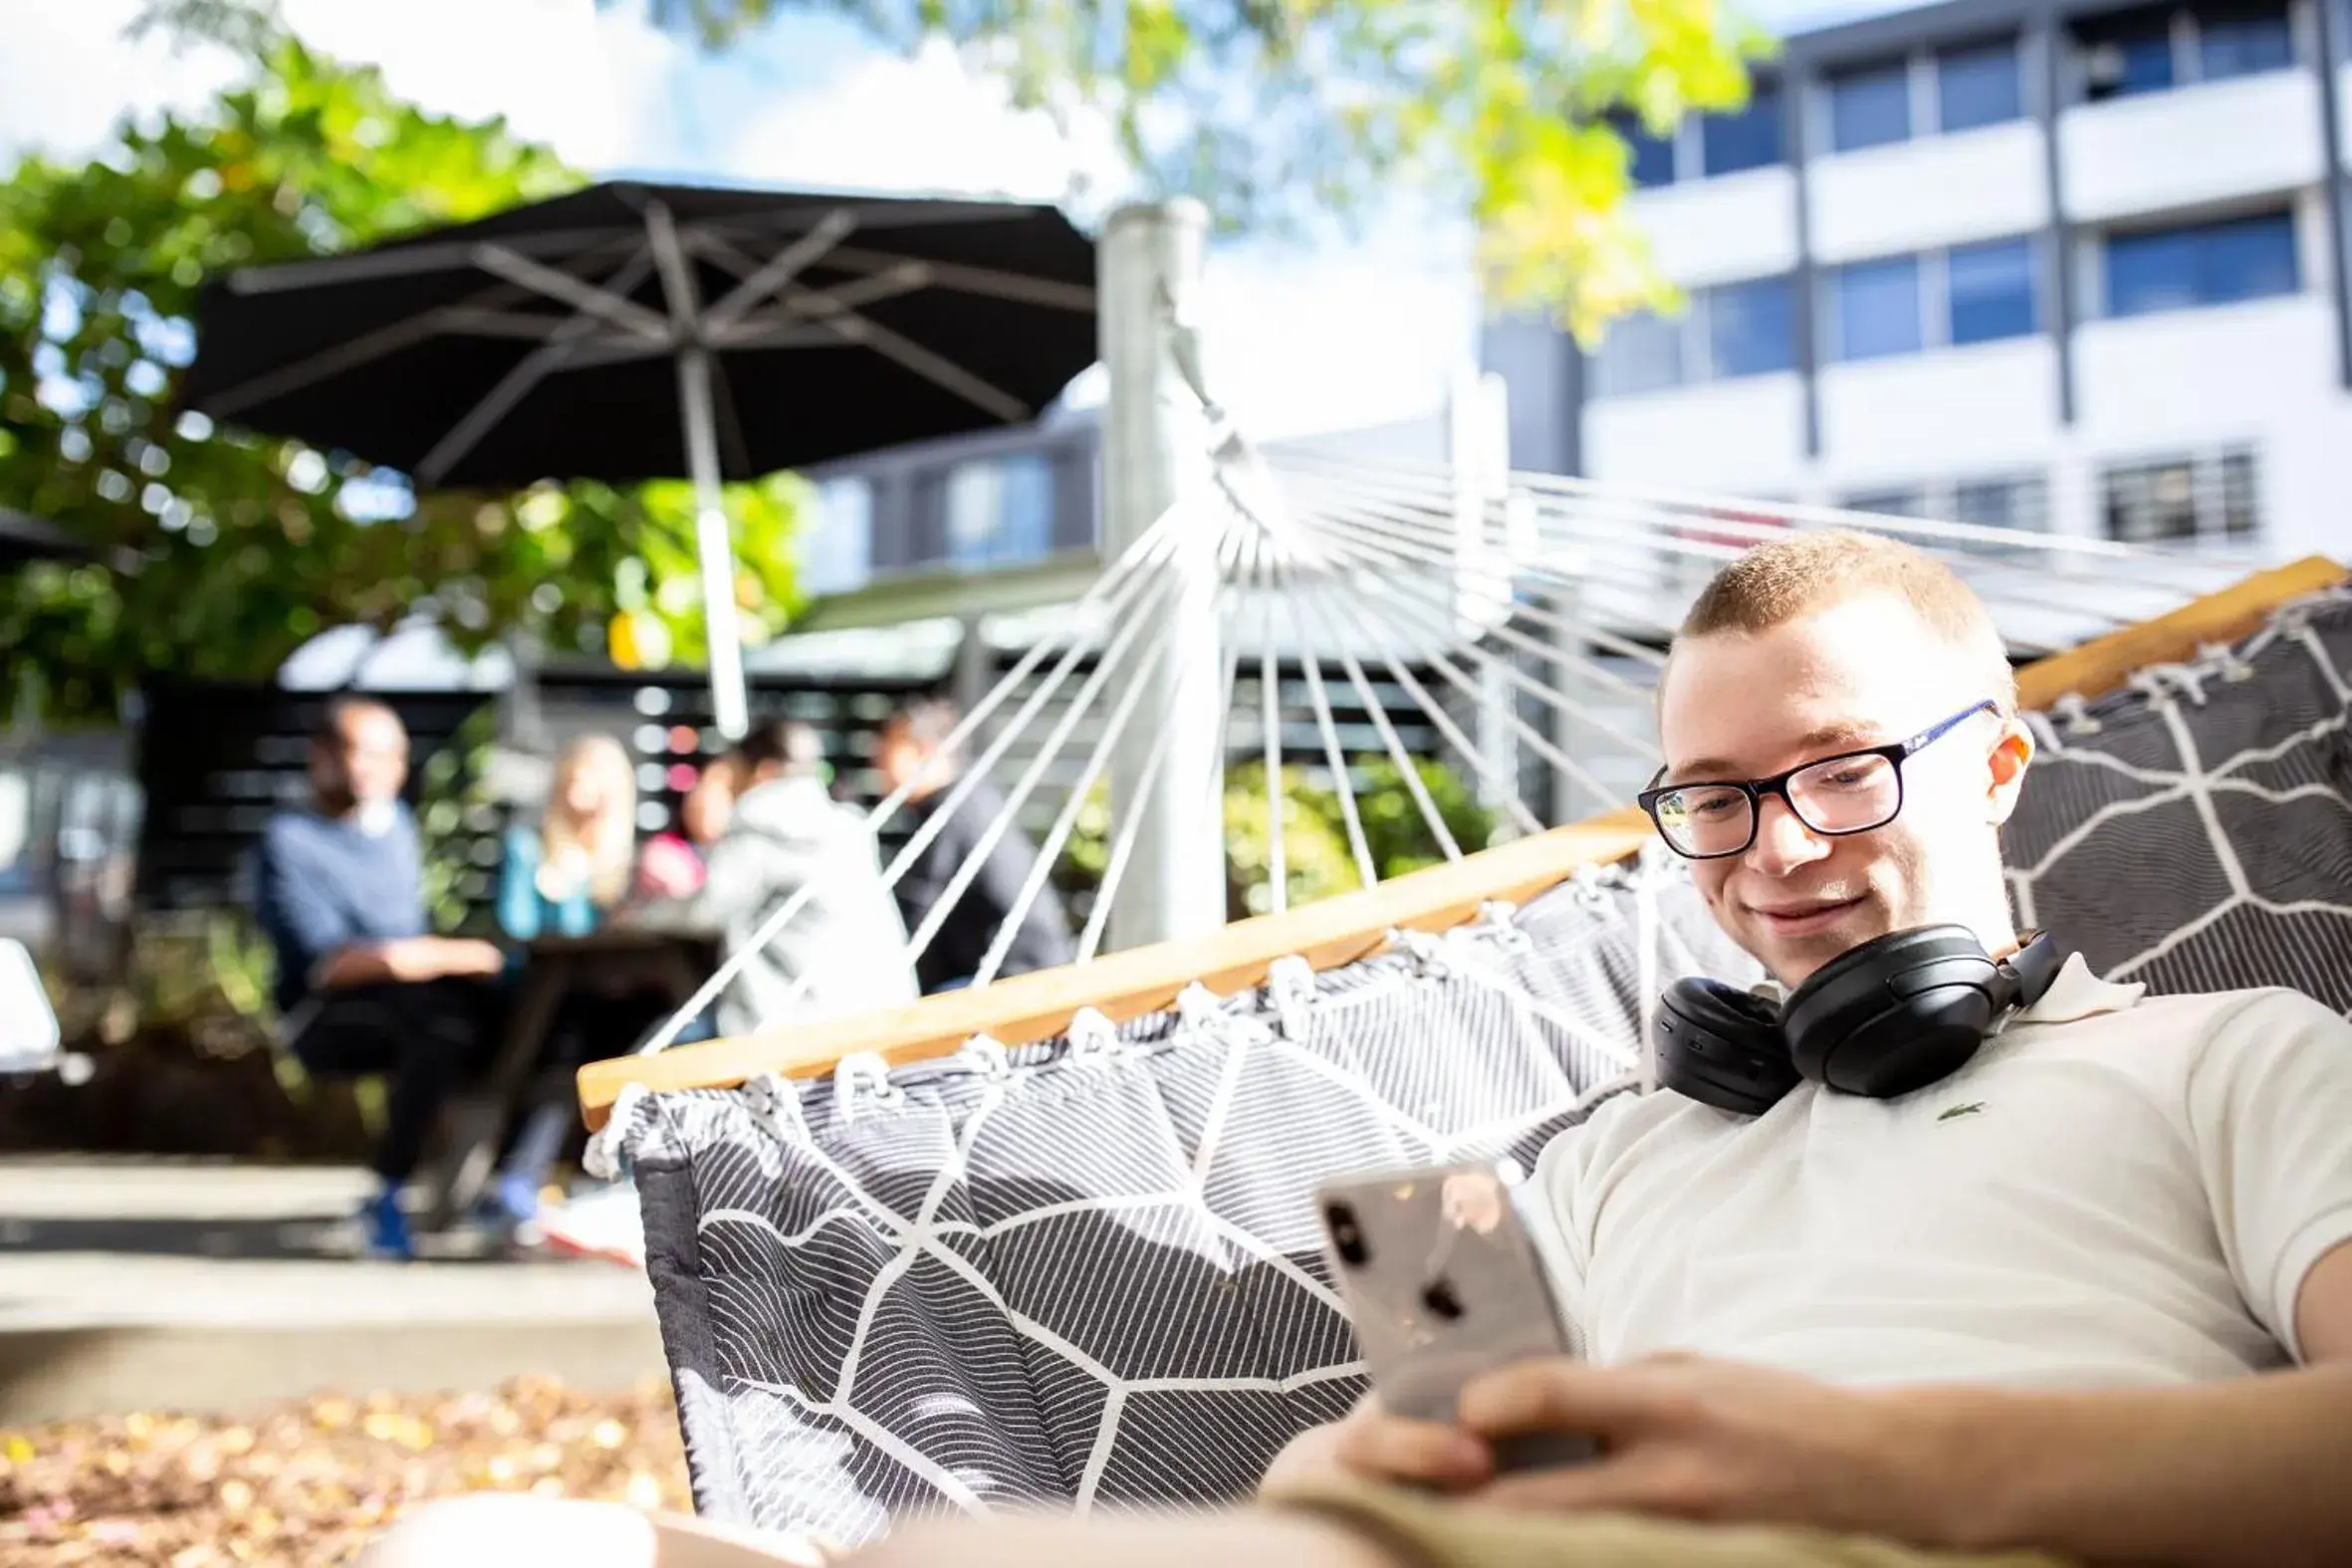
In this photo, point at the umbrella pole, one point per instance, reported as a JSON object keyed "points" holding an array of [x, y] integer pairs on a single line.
{"points": [[1155, 456], [717, 550]]}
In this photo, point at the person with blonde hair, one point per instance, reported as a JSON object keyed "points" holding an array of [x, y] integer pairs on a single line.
{"points": [[576, 867]]}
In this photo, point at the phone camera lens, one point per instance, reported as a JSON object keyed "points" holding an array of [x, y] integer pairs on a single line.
{"points": [[1439, 1297], [1346, 1237]]}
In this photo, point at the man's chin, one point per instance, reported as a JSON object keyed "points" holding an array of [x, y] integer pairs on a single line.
{"points": [[1793, 956]]}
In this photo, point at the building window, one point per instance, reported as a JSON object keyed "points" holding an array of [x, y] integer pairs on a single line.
{"points": [[1909, 501], [1871, 106], [2017, 502], [2243, 42], [1000, 512], [1649, 159], [2196, 263], [1641, 354], [1750, 327], [1979, 86], [2207, 497], [2128, 55], [836, 549], [2009, 500], [1990, 291], [1878, 309], [2151, 50], [1748, 139]]}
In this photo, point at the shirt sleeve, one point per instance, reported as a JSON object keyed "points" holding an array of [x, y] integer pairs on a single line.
{"points": [[292, 902], [2268, 1101]]}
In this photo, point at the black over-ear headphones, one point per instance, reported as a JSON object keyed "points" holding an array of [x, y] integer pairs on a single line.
{"points": [[1884, 1018]]}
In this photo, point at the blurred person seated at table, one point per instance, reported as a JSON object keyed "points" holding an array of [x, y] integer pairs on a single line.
{"points": [[917, 755], [565, 876], [361, 986], [844, 950], [673, 865]]}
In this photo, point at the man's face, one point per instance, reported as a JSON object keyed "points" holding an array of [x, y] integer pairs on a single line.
{"points": [[367, 760], [1738, 706]]}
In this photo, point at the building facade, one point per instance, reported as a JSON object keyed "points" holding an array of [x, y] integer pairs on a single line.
{"points": [[2027, 263]]}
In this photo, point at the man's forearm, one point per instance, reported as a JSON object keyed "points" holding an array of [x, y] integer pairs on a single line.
{"points": [[2250, 1471], [404, 960]]}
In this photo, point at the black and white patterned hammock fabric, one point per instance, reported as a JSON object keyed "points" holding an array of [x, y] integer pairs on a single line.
{"points": [[1085, 1271]]}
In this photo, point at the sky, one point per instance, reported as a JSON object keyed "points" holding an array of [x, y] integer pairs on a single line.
{"points": [[1301, 336]]}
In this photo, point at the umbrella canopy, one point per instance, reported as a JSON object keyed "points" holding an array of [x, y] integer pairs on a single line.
{"points": [[632, 332], [24, 537], [541, 342]]}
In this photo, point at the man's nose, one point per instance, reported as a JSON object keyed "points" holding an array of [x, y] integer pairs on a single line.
{"points": [[1782, 842]]}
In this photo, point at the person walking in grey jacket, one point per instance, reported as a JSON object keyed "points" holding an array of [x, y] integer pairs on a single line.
{"points": [[845, 951]]}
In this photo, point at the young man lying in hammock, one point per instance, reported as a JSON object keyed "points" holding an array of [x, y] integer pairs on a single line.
{"points": [[2085, 1298]]}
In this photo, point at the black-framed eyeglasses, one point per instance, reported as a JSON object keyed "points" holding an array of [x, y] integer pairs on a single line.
{"points": [[1851, 792]]}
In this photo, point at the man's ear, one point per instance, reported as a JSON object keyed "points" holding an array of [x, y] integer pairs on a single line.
{"points": [[2012, 754]]}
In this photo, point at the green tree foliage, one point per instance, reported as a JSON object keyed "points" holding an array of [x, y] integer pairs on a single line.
{"points": [[219, 552], [1503, 108]]}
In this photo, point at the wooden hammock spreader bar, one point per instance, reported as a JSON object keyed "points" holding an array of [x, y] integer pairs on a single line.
{"points": [[1350, 926]]}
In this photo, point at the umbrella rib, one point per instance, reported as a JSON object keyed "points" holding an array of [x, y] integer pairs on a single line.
{"points": [[934, 368], [566, 339], [229, 402], [796, 311], [407, 261], [781, 268], [517, 268], [383, 341], [528, 327], [972, 280]]}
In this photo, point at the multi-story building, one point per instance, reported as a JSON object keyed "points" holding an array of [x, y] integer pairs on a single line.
{"points": [[2031, 263]]}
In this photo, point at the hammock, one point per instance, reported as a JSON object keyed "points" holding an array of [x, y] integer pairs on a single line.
{"points": [[1082, 1269], [1047, 1239]]}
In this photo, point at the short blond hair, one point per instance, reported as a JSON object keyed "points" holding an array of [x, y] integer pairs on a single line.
{"points": [[1811, 571]]}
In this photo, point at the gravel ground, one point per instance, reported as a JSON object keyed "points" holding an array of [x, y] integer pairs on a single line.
{"points": [[306, 1486]]}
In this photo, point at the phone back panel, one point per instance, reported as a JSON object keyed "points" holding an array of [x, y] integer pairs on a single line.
{"points": [[1448, 1284]]}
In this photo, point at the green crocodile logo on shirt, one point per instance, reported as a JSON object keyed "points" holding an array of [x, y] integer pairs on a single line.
{"points": [[1958, 1111]]}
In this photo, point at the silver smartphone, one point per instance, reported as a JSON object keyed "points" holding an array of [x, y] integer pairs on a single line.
{"points": [[1444, 1284]]}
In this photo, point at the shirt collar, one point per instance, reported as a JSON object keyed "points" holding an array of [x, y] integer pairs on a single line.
{"points": [[2076, 993]]}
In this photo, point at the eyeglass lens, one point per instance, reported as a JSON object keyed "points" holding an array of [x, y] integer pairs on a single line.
{"points": [[1842, 795]]}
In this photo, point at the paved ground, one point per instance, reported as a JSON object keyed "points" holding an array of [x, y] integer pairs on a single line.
{"points": [[207, 1287]]}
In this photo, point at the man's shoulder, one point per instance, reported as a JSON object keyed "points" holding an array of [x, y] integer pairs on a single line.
{"points": [[2192, 1018], [292, 830]]}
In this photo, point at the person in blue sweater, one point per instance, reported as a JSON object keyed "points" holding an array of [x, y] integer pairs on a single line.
{"points": [[363, 986]]}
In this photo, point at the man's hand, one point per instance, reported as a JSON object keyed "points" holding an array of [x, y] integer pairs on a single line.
{"points": [[441, 957], [1693, 1438], [1370, 1445]]}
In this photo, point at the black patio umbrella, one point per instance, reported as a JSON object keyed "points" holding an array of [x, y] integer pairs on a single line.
{"points": [[24, 537], [633, 332]]}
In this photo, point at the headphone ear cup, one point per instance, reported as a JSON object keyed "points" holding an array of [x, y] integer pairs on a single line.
{"points": [[1720, 1046], [1896, 1012]]}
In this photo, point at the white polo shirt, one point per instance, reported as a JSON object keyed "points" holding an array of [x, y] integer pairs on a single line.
{"points": [[2113, 1192]]}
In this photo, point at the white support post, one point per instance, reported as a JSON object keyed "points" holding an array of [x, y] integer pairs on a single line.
{"points": [[1478, 449], [729, 705], [1570, 802], [686, 327], [1155, 456]]}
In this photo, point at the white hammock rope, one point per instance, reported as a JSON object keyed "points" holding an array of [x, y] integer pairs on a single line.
{"points": [[1433, 651], [1465, 596], [1411, 521]]}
